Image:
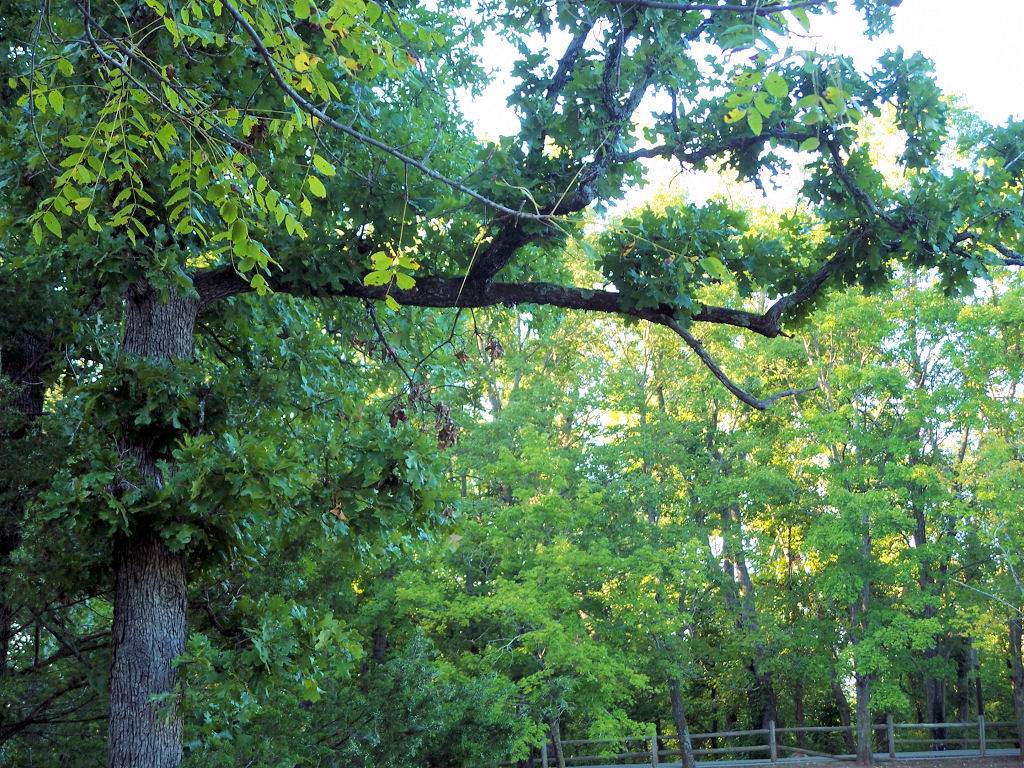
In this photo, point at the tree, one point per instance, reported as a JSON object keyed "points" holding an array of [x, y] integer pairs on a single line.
{"points": [[159, 160]]}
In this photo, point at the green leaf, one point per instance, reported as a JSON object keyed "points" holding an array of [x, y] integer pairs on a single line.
{"points": [[404, 281], [381, 260], [393, 305], [734, 115], [310, 689], [51, 223], [800, 15], [776, 85], [259, 284], [316, 186], [228, 211], [755, 121], [301, 9], [809, 145], [323, 166], [377, 277], [239, 231], [715, 268]]}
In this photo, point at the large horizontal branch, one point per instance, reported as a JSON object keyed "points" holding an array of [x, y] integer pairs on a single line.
{"points": [[455, 292], [452, 292]]}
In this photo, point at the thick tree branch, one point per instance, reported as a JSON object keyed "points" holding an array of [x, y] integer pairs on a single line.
{"points": [[455, 292], [568, 62], [839, 167], [1011, 258]]}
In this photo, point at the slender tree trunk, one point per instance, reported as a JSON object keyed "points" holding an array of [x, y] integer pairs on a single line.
{"points": [[798, 713], [865, 753], [843, 706], [556, 737], [150, 587], [682, 727], [862, 680], [935, 704], [1017, 678]]}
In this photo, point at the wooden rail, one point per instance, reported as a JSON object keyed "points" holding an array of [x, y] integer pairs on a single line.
{"points": [[654, 754]]}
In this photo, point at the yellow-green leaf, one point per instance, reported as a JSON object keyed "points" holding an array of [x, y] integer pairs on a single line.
{"points": [[323, 166], [809, 145], [51, 223], [776, 85], [316, 186], [377, 277], [755, 121], [393, 305], [734, 115]]}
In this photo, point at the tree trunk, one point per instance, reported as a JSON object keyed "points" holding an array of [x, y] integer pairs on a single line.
{"points": [[556, 737], [149, 632], [682, 727], [150, 587], [865, 753], [844, 712], [1017, 678], [935, 704], [798, 713]]}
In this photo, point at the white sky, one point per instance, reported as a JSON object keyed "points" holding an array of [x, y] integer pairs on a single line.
{"points": [[977, 47]]}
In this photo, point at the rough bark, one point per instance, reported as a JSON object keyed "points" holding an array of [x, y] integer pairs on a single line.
{"points": [[148, 633], [150, 587]]}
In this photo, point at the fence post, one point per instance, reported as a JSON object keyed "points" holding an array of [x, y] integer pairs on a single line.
{"points": [[654, 750], [773, 750], [981, 735], [890, 734], [544, 754]]}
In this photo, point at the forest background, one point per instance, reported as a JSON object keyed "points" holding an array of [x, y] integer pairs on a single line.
{"points": [[333, 434]]}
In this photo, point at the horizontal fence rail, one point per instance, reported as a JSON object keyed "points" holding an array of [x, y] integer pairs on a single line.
{"points": [[972, 738]]}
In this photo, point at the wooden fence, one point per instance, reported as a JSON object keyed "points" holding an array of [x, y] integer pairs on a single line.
{"points": [[890, 740]]}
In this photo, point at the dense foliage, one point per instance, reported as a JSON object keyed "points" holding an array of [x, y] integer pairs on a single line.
{"points": [[248, 259]]}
